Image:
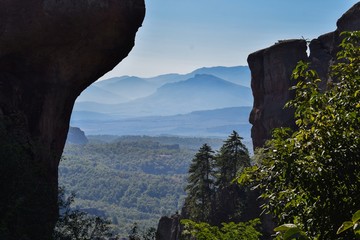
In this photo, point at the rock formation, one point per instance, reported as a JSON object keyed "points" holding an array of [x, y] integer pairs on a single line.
{"points": [[50, 50], [76, 136], [271, 70], [169, 228]]}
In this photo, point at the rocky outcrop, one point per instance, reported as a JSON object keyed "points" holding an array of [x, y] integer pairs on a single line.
{"points": [[169, 228], [50, 51], [76, 136], [271, 70]]}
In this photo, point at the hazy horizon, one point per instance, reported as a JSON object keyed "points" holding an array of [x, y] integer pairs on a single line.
{"points": [[180, 36]]}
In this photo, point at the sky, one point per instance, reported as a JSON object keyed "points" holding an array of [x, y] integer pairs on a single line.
{"points": [[179, 36]]}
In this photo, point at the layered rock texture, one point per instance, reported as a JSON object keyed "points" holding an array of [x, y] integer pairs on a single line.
{"points": [[50, 51], [271, 70]]}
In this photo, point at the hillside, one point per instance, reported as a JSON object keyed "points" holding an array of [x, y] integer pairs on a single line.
{"points": [[129, 179], [128, 87], [202, 92], [100, 95]]}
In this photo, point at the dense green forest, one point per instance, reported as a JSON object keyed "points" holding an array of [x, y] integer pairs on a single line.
{"points": [[131, 178]]}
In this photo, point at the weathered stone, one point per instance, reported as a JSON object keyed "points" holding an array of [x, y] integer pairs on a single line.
{"points": [[271, 71], [50, 50], [169, 228]]}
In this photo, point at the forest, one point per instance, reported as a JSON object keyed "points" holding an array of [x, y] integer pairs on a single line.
{"points": [[307, 178], [129, 179]]}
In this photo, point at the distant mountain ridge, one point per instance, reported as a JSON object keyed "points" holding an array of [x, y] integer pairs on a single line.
{"points": [[130, 87], [172, 104]]}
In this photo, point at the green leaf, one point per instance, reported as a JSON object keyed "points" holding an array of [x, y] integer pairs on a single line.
{"points": [[285, 227], [356, 217], [357, 229], [346, 225], [292, 233]]}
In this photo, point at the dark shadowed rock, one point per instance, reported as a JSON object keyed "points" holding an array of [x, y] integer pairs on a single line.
{"points": [[271, 71], [169, 228], [50, 50]]}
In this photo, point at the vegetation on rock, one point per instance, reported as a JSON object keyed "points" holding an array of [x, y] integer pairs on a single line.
{"points": [[310, 176]]}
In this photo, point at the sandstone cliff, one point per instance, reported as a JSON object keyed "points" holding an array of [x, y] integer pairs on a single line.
{"points": [[271, 70], [50, 51], [169, 228]]}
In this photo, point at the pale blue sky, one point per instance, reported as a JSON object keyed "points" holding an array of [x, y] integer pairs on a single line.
{"points": [[179, 36]]}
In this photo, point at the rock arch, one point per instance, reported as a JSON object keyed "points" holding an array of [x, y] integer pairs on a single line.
{"points": [[50, 50]]}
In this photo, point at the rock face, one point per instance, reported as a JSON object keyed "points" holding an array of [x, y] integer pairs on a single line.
{"points": [[271, 70], [76, 136], [169, 228], [50, 51]]}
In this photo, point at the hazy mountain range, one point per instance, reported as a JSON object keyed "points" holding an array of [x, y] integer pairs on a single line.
{"points": [[206, 102]]}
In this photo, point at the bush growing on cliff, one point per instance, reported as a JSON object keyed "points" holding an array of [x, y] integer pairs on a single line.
{"points": [[311, 176], [228, 231]]}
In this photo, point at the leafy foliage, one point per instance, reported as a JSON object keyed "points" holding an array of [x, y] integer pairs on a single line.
{"points": [[290, 231], [311, 176], [354, 224], [228, 231], [78, 225]]}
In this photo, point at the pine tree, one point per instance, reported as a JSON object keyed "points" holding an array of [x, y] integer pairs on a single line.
{"points": [[200, 188], [230, 197]]}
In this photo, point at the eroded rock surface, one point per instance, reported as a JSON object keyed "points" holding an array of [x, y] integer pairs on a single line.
{"points": [[169, 228], [50, 50], [271, 70]]}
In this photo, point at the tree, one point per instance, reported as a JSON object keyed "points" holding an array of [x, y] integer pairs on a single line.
{"points": [[228, 231], [232, 158], [78, 225], [134, 233], [200, 188], [311, 176]]}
